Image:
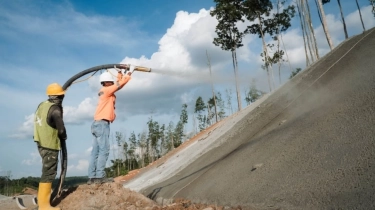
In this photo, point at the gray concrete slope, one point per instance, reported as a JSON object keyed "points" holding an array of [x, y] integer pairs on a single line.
{"points": [[310, 145]]}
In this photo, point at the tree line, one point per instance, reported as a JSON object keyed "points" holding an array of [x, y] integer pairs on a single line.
{"points": [[10, 187], [139, 150]]}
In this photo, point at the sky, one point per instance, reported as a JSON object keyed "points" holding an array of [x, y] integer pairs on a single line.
{"points": [[45, 41]]}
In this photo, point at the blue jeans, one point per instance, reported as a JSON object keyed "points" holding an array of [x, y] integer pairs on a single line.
{"points": [[100, 149]]}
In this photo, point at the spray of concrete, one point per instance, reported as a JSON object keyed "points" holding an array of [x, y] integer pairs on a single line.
{"points": [[202, 76]]}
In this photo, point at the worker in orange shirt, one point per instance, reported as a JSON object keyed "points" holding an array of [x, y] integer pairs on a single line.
{"points": [[100, 128]]}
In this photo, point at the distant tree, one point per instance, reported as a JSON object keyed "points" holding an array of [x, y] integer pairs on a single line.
{"points": [[372, 2], [142, 145], [212, 85], [132, 148], [220, 103], [121, 153], [162, 139], [179, 132], [228, 13], [253, 94], [153, 138], [294, 73], [200, 107], [228, 93], [169, 137], [184, 115], [280, 22]]}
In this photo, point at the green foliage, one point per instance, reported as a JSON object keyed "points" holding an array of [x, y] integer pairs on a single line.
{"points": [[294, 73], [228, 14], [200, 107], [10, 187], [372, 3], [253, 94]]}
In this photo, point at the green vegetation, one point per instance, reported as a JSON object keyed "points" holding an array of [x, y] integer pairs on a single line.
{"points": [[10, 187]]}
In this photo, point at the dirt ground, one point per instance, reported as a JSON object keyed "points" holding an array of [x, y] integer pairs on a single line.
{"points": [[115, 197], [109, 196]]}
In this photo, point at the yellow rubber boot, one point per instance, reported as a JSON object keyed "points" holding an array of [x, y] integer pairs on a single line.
{"points": [[44, 195]]}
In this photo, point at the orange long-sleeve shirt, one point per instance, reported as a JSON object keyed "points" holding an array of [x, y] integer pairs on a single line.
{"points": [[107, 99]]}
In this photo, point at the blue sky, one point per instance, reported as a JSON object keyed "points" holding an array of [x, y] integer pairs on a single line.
{"points": [[42, 42]]}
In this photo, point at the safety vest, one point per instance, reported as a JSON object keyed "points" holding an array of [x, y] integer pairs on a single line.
{"points": [[45, 135]]}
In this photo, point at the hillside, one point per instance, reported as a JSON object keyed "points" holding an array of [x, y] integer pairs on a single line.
{"points": [[308, 145]]}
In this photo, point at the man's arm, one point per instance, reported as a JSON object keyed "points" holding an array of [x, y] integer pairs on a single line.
{"points": [[57, 122], [121, 82]]}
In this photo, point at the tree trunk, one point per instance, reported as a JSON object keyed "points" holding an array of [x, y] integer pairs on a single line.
{"points": [[324, 23], [343, 20], [235, 68], [360, 14], [265, 55], [303, 32], [312, 31]]}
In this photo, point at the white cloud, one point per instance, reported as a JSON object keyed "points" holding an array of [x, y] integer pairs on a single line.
{"points": [[84, 112], [35, 159], [25, 131], [81, 166]]}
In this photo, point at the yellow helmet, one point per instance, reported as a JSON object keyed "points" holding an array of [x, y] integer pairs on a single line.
{"points": [[55, 89]]}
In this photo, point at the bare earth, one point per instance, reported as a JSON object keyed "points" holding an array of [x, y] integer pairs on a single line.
{"points": [[109, 196]]}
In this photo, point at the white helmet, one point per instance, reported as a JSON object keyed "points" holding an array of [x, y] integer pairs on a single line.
{"points": [[106, 77]]}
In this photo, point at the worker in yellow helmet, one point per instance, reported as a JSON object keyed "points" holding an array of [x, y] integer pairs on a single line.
{"points": [[49, 130]]}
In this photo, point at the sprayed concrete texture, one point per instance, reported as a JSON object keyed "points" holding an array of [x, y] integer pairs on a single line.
{"points": [[308, 145]]}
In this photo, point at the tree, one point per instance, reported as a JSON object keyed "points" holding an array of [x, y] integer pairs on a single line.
{"points": [[228, 93], [121, 149], [372, 2], [261, 10], [142, 145], [304, 30], [253, 94], [212, 85], [169, 137], [184, 114], [153, 138], [162, 138], [307, 31], [294, 73], [199, 109], [342, 16], [228, 13], [323, 20], [178, 134], [179, 130], [132, 148], [221, 105]]}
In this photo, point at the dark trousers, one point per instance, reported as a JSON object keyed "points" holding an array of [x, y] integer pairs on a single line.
{"points": [[49, 164]]}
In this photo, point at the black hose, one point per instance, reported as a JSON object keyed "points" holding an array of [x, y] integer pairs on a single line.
{"points": [[87, 71]]}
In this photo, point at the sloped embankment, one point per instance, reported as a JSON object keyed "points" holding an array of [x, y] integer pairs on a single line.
{"points": [[309, 145]]}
